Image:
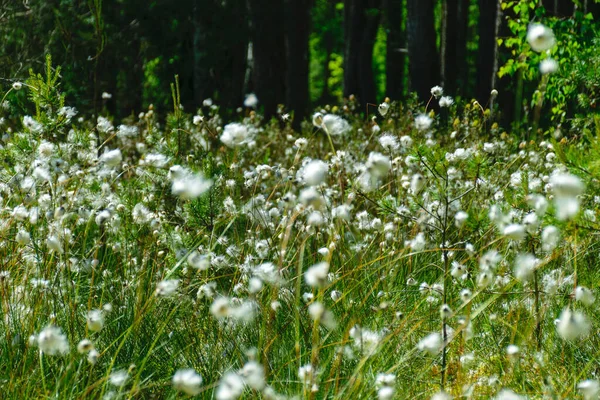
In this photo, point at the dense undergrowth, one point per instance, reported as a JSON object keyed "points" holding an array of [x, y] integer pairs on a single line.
{"points": [[408, 254]]}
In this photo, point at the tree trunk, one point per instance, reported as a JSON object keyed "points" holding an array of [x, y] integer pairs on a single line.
{"points": [[232, 69], [395, 44], [559, 8], [268, 47], [354, 24], [297, 23], [203, 84], [361, 22], [422, 51], [454, 46], [368, 92], [486, 52]]}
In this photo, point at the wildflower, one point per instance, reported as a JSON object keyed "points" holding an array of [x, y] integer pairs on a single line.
{"points": [[465, 295], [251, 101], [484, 279], [317, 119], [310, 197], [254, 375], [220, 308], [572, 325], [585, 296], [441, 396], [54, 244], [385, 393], [446, 101], [437, 91], [236, 134], [112, 158], [423, 122], [507, 394], [540, 37], [230, 387], [378, 164], [118, 378], [417, 183], [191, 186], [305, 373], [460, 218], [590, 389], [445, 311], [22, 237], [104, 125], [93, 356], [418, 243], [106, 96], [431, 343], [515, 232], [548, 66], [531, 222], [383, 108], [388, 142], [525, 264], [167, 287], [566, 189], [198, 261], [512, 350], [17, 85], [317, 274], [84, 346], [550, 238], [335, 125], [315, 172], [187, 381], [95, 320], [52, 341], [336, 295]]}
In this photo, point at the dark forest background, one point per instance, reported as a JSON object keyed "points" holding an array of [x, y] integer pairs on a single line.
{"points": [[299, 53]]}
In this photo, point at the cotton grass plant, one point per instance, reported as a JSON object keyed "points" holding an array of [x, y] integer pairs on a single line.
{"points": [[400, 257]]}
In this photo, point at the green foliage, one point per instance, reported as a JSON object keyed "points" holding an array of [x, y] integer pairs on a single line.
{"points": [[44, 91], [566, 90], [379, 57]]}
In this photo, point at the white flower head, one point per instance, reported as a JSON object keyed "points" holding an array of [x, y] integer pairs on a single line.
{"points": [[584, 296], [446, 101], [540, 37], [112, 158], [190, 186], [378, 165], [52, 341], [251, 101], [423, 122], [548, 66], [431, 343], [437, 91], [572, 325], [383, 108], [95, 320], [515, 232], [335, 125], [317, 274], [118, 378], [315, 172], [566, 189], [167, 287], [236, 135], [187, 381], [590, 389], [230, 387]]}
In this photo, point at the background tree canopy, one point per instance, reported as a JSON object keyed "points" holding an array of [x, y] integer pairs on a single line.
{"points": [[296, 53]]}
